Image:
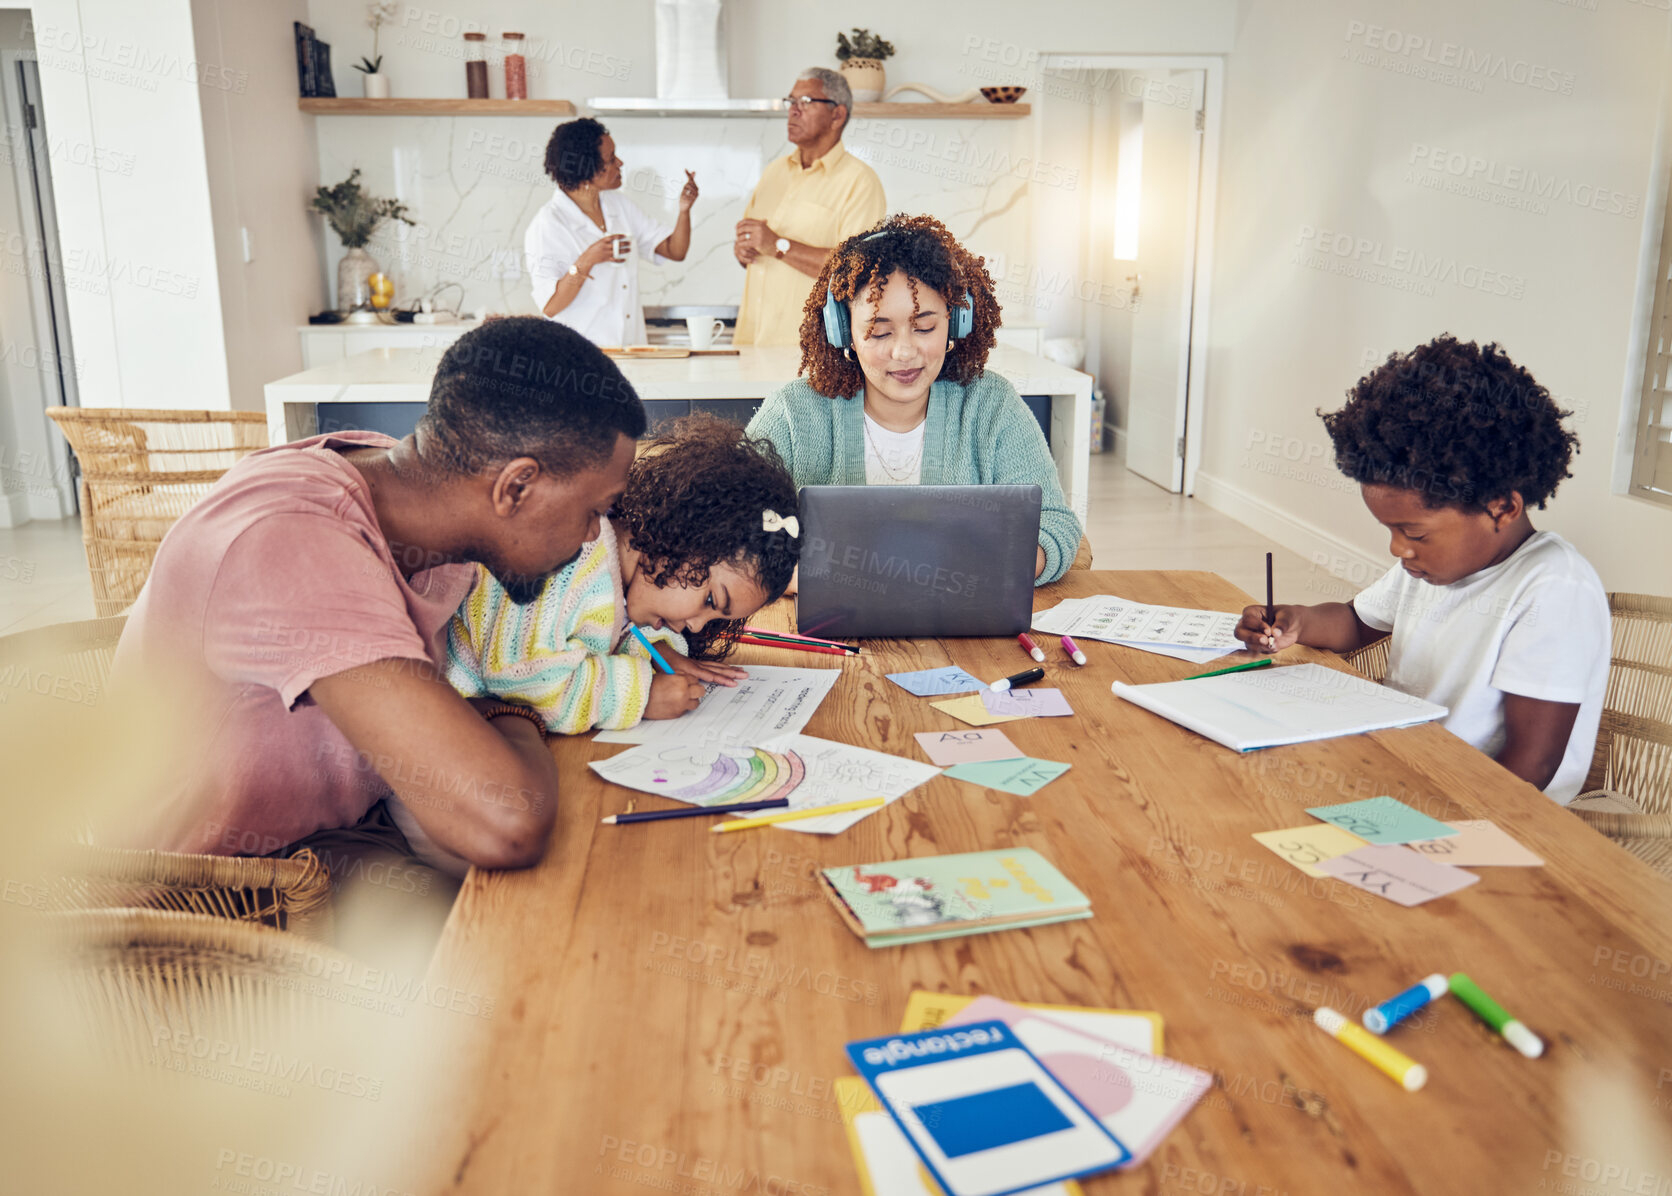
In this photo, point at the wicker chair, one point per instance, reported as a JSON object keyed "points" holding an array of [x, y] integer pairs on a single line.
{"points": [[140, 471], [146, 982], [1628, 793], [293, 894], [1372, 659]]}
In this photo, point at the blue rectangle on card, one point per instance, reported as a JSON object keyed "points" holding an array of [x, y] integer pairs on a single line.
{"points": [[985, 1120]]}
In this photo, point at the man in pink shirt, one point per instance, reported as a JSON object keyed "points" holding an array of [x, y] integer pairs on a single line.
{"points": [[295, 619]]}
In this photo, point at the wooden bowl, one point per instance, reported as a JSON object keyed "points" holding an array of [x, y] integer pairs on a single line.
{"points": [[1008, 94]]}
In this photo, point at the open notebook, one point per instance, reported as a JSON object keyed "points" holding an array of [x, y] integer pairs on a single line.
{"points": [[1271, 707]]}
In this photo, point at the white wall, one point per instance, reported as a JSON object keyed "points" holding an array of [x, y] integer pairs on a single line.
{"points": [[262, 159], [1327, 112], [137, 239]]}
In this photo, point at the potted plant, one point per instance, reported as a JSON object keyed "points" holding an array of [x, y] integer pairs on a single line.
{"points": [[378, 14], [354, 216], [862, 58]]}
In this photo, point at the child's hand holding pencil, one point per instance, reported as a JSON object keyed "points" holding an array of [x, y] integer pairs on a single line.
{"points": [[1262, 635]]}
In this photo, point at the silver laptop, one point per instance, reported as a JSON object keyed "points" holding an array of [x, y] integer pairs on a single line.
{"points": [[907, 561]]}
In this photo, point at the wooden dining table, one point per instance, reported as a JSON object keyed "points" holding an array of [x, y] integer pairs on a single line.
{"points": [[670, 1006]]}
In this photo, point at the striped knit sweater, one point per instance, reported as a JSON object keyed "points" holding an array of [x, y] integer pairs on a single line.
{"points": [[563, 653]]}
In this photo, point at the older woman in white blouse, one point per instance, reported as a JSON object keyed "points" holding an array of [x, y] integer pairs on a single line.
{"points": [[582, 246]]}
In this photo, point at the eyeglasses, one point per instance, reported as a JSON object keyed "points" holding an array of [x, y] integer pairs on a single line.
{"points": [[802, 102]]}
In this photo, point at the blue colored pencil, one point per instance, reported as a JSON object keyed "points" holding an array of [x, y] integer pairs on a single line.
{"points": [[650, 648]]}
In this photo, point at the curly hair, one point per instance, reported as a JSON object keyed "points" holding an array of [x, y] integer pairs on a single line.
{"points": [[1458, 423], [926, 252], [572, 154], [694, 499]]}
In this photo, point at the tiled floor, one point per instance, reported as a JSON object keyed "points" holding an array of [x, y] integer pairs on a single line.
{"points": [[1134, 525]]}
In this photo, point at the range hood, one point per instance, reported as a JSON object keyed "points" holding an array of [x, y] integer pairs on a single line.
{"points": [[690, 68]]}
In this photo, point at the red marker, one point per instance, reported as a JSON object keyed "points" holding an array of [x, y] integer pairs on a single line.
{"points": [[1073, 650], [1032, 648]]}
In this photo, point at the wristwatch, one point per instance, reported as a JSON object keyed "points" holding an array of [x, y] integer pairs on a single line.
{"points": [[782, 245]]}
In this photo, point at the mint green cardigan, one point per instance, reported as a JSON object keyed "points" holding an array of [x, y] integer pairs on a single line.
{"points": [[980, 434]]}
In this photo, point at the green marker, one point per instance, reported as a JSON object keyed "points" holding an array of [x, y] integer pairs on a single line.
{"points": [[1496, 1016], [1264, 662]]}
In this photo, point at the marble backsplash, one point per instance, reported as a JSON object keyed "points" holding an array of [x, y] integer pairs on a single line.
{"points": [[473, 184]]}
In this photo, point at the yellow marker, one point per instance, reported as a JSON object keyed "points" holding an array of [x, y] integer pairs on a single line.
{"points": [[1404, 1070], [743, 824]]}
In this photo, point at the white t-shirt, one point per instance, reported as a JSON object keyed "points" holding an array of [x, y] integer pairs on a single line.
{"points": [[1536, 625], [606, 311], [893, 458]]}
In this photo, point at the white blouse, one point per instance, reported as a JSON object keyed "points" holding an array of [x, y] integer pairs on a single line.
{"points": [[893, 458], [606, 310]]}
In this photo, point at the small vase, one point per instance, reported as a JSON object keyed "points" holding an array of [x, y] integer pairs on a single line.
{"points": [[377, 87], [354, 272], [866, 79]]}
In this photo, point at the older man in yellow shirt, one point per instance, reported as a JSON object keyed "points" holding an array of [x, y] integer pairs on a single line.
{"points": [[807, 203]]}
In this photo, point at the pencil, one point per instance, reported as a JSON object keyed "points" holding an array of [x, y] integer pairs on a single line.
{"points": [[649, 647], [1271, 605], [795, 646], [1235, 668], [771, 803], [744, 824], [792, 635], [793, 639]]}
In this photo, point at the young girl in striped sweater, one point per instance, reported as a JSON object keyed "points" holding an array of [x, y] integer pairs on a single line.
{"points": [[704, 536]]}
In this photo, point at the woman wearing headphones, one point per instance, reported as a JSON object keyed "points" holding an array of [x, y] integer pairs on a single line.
{"points": [[893, 341]]}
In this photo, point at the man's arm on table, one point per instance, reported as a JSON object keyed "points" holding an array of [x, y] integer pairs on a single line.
{"points": [[486, 791]]}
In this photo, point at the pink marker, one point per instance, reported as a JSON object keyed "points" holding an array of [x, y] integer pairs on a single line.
{"points": [[1073, 650]]}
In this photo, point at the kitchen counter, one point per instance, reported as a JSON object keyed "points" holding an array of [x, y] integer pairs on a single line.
{"points": [[389, 375]]}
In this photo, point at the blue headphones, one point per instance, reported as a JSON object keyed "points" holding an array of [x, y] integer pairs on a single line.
{"points": [[838, 329]]}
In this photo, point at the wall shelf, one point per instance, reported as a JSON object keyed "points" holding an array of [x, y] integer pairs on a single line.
{"points": [[355, 106], [975, 110]]}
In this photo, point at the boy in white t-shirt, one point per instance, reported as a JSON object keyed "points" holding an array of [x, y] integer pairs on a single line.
{"points": [[1505, 626]]}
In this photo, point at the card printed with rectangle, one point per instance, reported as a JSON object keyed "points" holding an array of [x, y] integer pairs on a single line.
{"points": [[1027, 703], [1382, 820], [1308, 846], [1479, 843], [1397, 873], [1023, 777], [967, 747]]}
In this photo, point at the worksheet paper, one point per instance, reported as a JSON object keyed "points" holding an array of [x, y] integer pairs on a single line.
{"points": [[1136, 625], [770, 701], [809, 771], [1286, 704]]}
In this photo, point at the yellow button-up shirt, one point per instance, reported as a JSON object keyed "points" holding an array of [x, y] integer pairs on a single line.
{"points": [[823, 204]]}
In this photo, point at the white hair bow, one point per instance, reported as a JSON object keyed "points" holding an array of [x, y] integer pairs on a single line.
{"points": [[771, 521]]}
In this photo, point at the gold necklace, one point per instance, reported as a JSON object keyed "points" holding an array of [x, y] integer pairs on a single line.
{"points": [[911, 463]]}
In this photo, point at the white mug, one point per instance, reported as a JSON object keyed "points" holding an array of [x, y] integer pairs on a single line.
{"points": [[620, 248], [703, 330]]}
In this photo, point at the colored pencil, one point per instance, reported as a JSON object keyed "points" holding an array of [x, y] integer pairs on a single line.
{"points": [[650, 648], [1235, 668], [790, 646], [771, 803], [1271, 605], [793, 635], [744, 824], [781, 639]]}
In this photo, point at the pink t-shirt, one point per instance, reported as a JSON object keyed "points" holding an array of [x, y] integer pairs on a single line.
{"points": [[278, 577]]}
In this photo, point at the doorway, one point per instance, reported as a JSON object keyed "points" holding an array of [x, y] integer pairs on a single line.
{"points": [[36, 352], [1139, 237]]}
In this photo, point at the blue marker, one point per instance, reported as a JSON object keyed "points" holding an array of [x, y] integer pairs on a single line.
{"points": [[1391, 1012], [650, 648]]}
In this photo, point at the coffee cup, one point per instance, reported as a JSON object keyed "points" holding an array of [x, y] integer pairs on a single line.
{"points": [[620, 248], [703, 330]]}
